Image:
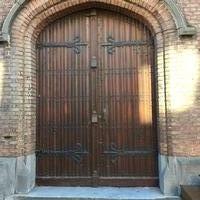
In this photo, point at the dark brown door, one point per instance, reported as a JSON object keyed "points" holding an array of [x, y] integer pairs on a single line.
{"points": [[95, 105]]}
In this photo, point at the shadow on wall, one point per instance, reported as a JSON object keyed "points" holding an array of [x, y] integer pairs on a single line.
{"points": [[10, 87], [7, 130], [13, 170], [2, 69]]}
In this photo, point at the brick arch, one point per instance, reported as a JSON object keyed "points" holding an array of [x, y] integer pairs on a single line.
{"points": [[155, 14], [173, 8], [36, 14]]}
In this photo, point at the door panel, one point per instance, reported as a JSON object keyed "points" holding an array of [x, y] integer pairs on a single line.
{"points": [[95, 110], [63, 134], [127, 133]]}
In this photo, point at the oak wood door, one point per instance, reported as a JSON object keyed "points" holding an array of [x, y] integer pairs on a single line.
{"points": [[95, 102]]}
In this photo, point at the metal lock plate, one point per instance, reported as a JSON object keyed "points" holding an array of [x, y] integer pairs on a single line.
{"points": [[94, 117], [94, 62]]}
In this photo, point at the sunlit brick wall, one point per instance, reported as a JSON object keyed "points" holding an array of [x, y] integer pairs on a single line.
{"points": [[183, 87]]}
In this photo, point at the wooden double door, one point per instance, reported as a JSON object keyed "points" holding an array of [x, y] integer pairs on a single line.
{"points": [[95, 102]]}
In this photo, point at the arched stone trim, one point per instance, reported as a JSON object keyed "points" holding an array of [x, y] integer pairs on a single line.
{"points": [[181, 23], [179, 19], [5, 37]]}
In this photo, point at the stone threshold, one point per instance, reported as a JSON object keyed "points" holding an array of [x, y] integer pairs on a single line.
{"points": [[99, 193]]}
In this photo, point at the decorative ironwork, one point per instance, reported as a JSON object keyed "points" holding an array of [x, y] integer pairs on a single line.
{"points": [[76, 45], [111, 44], [115, 152], [52, 128], [76, 153]]}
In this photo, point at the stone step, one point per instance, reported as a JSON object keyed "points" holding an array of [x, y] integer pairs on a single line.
{"points": [[99, 193]]}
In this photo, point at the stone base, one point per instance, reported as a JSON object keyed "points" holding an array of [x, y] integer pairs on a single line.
{"points": [[177, 171], [17, 175]]}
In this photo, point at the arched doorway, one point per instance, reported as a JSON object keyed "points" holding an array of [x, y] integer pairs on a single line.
{"points": [[96, 102]]}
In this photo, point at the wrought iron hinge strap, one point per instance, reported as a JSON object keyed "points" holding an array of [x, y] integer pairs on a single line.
{"points": [[115, 152], [76, 153], [111, 44], [76, 45]]}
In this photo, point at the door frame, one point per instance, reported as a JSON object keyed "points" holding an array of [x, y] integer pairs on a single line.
{"points": [[99, 47]]}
